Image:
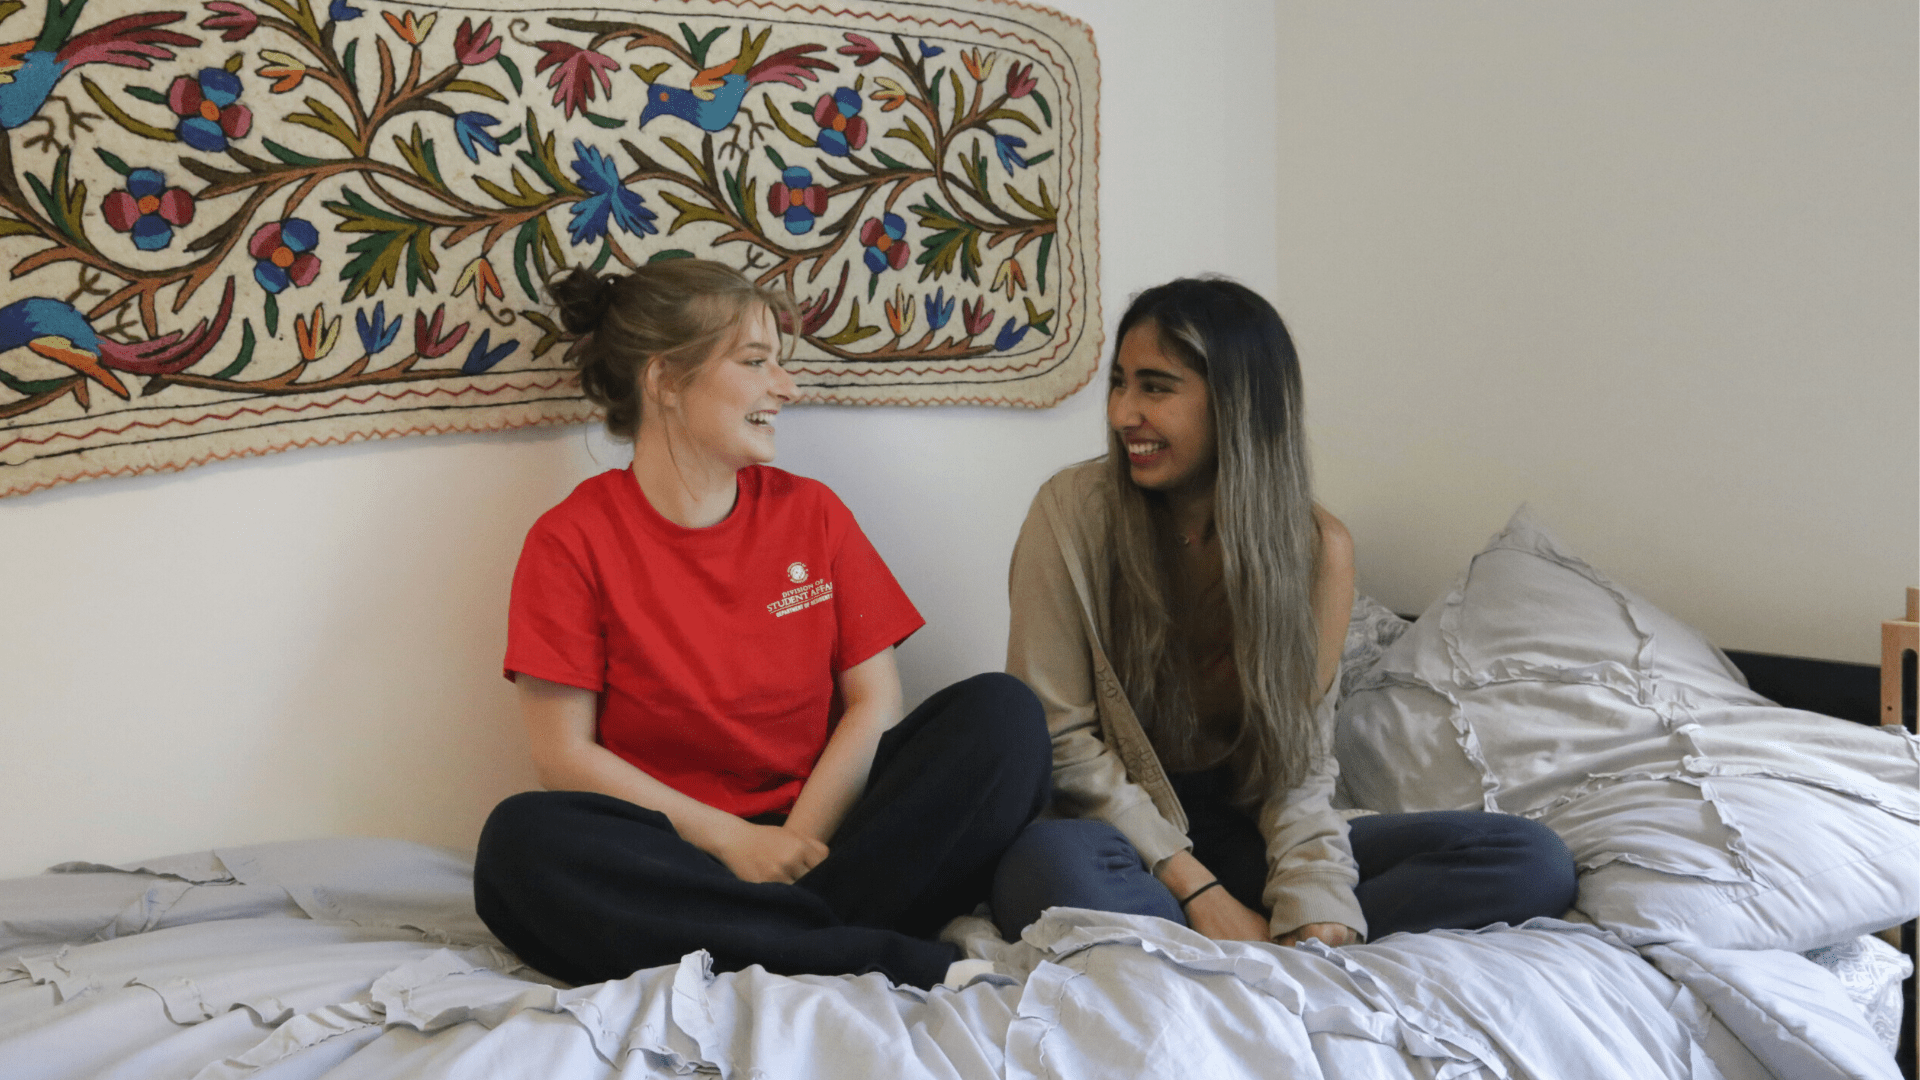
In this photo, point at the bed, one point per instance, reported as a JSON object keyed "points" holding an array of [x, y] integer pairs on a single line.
{"points": [[1736, 856]]}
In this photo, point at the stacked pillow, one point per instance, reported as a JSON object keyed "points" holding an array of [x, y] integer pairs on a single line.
{"points": [[1696, 809]]}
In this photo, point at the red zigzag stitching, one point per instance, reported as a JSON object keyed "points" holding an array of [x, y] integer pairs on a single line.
{"points": [[307, 407]]}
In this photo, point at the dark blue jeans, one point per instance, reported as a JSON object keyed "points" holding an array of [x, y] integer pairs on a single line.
{"points": [[1455, 869]]}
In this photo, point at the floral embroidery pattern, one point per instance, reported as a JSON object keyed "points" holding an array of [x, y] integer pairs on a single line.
{"points": [[283, 254], [885, 237], [170, 178], [797, 199], [148, 209], [842, 131], [209, 109]]}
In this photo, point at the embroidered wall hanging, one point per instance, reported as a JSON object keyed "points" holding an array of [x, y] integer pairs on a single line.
{"points": [[241, 226]]}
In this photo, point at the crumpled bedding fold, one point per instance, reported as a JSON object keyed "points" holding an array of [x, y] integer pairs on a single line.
{"points": [[376, 990]]}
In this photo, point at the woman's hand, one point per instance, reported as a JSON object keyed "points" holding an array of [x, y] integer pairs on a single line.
{"points": [[1214, 912], [1333, 933], [769, 853], [1218, 915]]}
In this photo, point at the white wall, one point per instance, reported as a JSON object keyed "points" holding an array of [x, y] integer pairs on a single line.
{"points": [[309, 643], [1650, 265]]}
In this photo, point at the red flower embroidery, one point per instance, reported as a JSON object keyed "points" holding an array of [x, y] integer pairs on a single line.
{"points": [[475, 46], [426, 335], [574, 69]]}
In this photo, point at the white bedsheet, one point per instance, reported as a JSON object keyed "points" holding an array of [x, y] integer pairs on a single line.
{"points": [[363, 959]]}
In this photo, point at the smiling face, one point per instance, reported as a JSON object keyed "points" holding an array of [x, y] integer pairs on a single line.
{"points": [[1158, 406], [728, 408]]}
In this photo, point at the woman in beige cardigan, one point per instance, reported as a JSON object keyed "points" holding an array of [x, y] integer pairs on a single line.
{"points": [[1179, 608]]}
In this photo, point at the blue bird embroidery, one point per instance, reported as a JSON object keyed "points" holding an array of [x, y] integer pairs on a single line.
{"points": [[29, 69], [55, 330], [713, 97]]}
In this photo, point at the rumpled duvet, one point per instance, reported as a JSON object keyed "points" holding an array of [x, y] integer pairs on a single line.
{"points": [[363, 958]]}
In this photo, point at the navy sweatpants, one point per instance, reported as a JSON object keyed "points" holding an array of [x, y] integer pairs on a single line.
{"points": [[586, 887], [1443, 869]]}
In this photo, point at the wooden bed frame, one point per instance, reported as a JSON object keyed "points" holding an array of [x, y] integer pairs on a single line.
{"points": [[1867, 695], [1899, 648]]}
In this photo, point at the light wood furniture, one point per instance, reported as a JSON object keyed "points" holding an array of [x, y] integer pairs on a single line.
{"points": [[1899, 638]]}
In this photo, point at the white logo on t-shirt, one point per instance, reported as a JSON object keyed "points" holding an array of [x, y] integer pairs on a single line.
{"points": [[800, 597], [797, 572]]}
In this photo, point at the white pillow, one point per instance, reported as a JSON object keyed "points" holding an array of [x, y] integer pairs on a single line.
{"points": [[1696, 809], [1371, 628]]}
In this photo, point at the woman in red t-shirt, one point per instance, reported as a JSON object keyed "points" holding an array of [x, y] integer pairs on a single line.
{"points": [[703, 651]]}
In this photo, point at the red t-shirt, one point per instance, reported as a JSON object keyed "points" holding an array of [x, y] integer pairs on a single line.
{"points": [[713, 650]]}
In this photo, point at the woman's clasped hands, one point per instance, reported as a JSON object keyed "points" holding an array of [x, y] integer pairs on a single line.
{"points": [[769, 853], [1221, 917]]}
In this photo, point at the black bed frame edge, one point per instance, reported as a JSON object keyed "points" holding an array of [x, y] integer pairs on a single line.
{"points": [[1848, 691]]}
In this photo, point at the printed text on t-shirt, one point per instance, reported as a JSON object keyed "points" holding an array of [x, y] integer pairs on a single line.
{"points": [[803, 597]]}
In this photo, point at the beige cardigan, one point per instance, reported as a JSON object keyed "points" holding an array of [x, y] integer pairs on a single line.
{"points": [[1103, 766]]}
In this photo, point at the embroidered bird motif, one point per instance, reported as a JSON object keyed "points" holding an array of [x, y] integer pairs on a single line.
{"points": [[29, 69], [714, 96], [57, 331]]}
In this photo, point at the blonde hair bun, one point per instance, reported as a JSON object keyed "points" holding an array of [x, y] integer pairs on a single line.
{"points": [[673, 312]]}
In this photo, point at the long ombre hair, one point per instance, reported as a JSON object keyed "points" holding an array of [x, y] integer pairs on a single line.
{"points": [[1263, 517]]}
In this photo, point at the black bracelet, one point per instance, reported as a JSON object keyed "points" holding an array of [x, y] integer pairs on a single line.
{"points": [[1197, 892]]}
